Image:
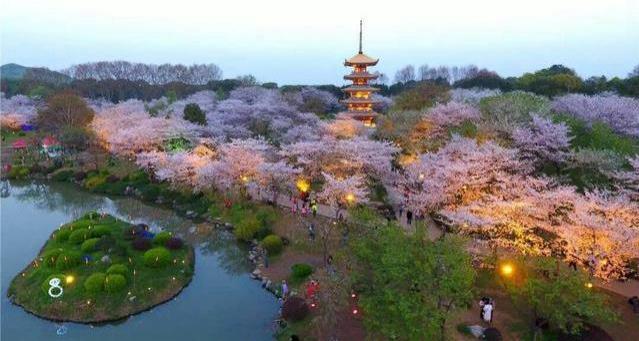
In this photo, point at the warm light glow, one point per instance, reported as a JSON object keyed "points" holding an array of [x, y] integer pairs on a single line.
{"points": [[245, 178], [507, 270], [589, 285], [303, 185], [355, 311], [350, 197], [69, 279]]}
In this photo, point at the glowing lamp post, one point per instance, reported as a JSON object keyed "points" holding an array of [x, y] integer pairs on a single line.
{"points": [[507, 270], [589, 285], [350, 198], [69, 279], [302, 185]]}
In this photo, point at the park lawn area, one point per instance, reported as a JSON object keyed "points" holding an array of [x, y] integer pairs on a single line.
{"points": [[131, 282], [11, 136]]}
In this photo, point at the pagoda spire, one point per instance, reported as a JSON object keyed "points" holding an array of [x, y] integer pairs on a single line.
{"points": [[360, 36]]}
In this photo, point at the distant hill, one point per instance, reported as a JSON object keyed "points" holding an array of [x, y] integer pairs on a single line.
{"points": [[18, 72], [12, 71]]}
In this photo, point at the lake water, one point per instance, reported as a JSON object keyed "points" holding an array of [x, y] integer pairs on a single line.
{"points": [[221, 303]]}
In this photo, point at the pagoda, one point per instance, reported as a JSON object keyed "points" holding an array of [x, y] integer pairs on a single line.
{"points": [[359, 101]]}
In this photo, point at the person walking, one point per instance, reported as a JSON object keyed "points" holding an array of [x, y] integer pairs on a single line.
{"points": [[488, 312], [409, 217], [311, 232], [284, 289]]}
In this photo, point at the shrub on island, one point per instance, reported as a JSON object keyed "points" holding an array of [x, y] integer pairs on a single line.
{"points": [[247, 228], [114, 283], [78, 236], [118, 269], [67, 260], [88, 245], [100, 230], [161, 238], [95, 282], [157, 257], [142, 244], [49, 257], [63, 234], [273, 244], [174, 243]]}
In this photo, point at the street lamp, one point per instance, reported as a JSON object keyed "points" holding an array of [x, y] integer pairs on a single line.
{"points": [[507, 269], [350, 198]]}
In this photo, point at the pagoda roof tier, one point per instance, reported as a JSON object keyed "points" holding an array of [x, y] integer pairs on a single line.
{"points": [[354, 88], [354, 100], [357, 115], [360, 59], [356, 75]]}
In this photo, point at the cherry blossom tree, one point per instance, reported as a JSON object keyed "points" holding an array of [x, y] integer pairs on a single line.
{"points": [[339, 193], [451, 114], [472, 96], [460, 172], [277, 177], [620, 113], [16, 111], [543, 141]]}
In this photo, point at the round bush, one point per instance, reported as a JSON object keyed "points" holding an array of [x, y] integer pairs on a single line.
{"points": [[100, 230], [142, 244], [105, 243], [174, 243], [67, 260], [135, 230], [273, 244], [95, 282], [51, 256], [295, 309], [247, 228], [62, 235], [157, 257], [114, 283], [78, 236], [91, 215], [45, 285], [161, 238], [301, 270], [118, 269], [89, 245]]}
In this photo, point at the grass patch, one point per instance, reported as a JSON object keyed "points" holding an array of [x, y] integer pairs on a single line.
{"points": [[95, 290]]}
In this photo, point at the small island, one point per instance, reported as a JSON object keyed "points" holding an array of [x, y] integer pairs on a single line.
{"points": [[100, 268]]}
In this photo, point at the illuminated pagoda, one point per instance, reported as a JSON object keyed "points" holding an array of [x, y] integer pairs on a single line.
{"points": [[359, 99]]}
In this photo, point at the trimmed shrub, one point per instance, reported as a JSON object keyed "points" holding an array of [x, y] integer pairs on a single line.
{"points": [[79, 176], [157, 257], [92, 182], [91, 215], [62, 175], [119, 269], [51, 256], [45, 285], [114, 283], [67, 260], [246, 228], [295, 309], [78, 236], [134, 231], [266, 215], [142, 244], [161, 238], [174, 243], [89, 245], [95, 282], [273, 244], [62, 235], [18, 172], [301, 270], [100, 230], [105, 243]]}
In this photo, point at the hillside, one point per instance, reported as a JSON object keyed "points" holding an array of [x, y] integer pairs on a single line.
{"points": [[14, 71]]}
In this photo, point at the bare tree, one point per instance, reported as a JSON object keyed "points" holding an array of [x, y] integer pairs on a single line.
{"points": [[405, 74]]}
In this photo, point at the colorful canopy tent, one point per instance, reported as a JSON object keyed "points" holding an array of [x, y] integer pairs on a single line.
{"points": [[49, 142], [19, 144]]}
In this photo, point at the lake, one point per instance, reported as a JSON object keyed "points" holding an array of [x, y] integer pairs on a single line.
{"points": [[221, 303]]}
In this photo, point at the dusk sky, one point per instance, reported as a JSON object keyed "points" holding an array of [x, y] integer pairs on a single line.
{"points": [[300, 42]]}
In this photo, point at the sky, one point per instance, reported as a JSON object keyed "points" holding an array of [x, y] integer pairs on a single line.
{"points": [[306, 42]]}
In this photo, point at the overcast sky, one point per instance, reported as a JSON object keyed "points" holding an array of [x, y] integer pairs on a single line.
{"points": [[305, 42]]}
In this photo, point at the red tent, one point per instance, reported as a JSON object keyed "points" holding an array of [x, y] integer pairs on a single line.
{"points": [[19, 144], [49, 141]]}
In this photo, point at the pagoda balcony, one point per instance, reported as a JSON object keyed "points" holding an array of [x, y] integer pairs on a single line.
{"points": [[360, 75], [355, 100], [360, 88]]}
